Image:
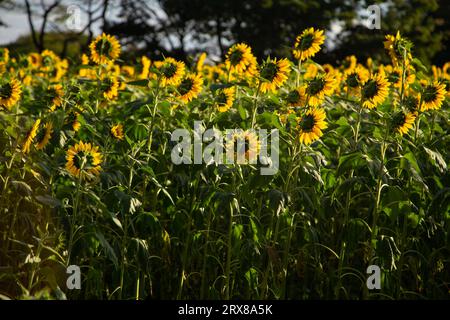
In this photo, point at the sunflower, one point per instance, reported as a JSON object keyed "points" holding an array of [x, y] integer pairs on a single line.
{"points": [[311, 71], [374, 91], [34, 60], [432, 96], [274, 73], [56, 95], [111, 87], [73, 121], [171, 70], [311, 125], [83, 159], [245, 145], [30, 136], [10, 93], [446, 70], [349, 63], [127, 71], [394, 76], [239, 58], [398, 49], [319, 87], [4, 55], [190, 87], [145, 67], [225, 98], [354, 78], [104, 49], [43, 136], [49, 61], [200, 62], [402, 122], [117, 132], [308, 43], [297, 97]]}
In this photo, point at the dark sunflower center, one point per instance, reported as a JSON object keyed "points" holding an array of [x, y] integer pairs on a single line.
{"points": [[185, 86], [83, 160], [40, 135], [353, 80], [370, 89], [236, 57], [6, 91], [103, 47], [398, 120], [429, 94], [293, 97], [269, 71], [169, 70], [221, 98], [307, 123], [315, 86], [306, 42]]}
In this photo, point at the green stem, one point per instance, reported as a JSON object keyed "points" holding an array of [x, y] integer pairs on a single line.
{"points": [[255, 106]]}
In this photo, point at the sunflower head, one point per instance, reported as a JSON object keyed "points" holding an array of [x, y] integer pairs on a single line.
{"points": [[190, 87], [117, 131], [274, 73], [224, 99], [171, 71], [44, 135], [310, 125], [10, 92], [30, 136], [239, 58], [399, 49], [296, 97], [319, 87], [374, 91], [245, 145], [110, 87], [433, 95], [105, 48], [308, 43], [401, 122], [83, 160]]}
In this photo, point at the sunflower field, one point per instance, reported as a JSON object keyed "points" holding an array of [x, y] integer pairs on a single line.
{"points": [[87, 179]]}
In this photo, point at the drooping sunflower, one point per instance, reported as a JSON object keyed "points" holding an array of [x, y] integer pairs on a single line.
{"points": [[105, 48], [349, 63], [117, 131], [172, 71], [402, 122], [432, 96], [308, 43], [111, 87], [411, 101], [55, 94], [398, 49], [297, 97], [10, 93], [44, 135], [374, 91], [318, 88], [224, 99], [245, 145], [83, 160], [275, 73], [311, 125], [238, 58], [30, 136], [190, 87], [394, 76]]}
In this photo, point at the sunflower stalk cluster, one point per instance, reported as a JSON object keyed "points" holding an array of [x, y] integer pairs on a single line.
{"points": [[88, 178]]}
